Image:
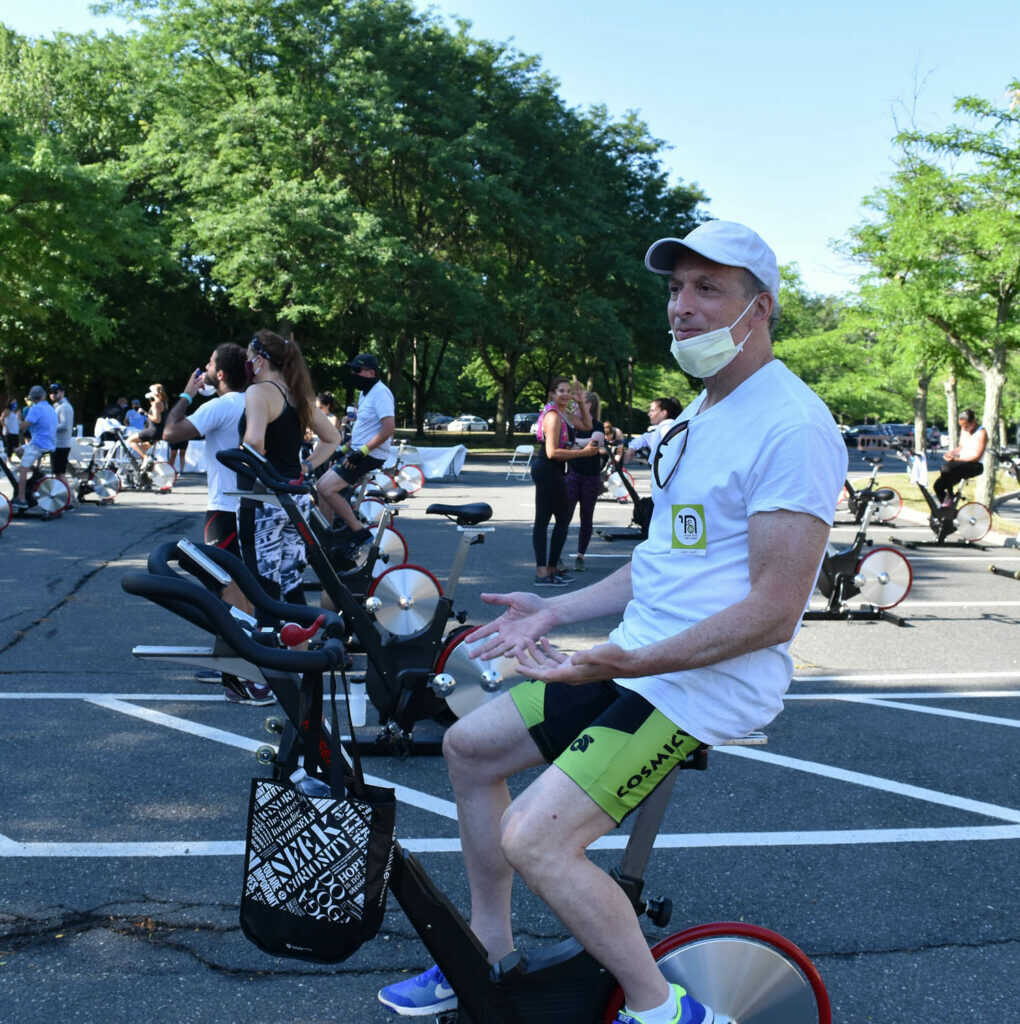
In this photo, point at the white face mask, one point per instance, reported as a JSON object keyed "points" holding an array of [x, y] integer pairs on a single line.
{"points": [[706, 354]]}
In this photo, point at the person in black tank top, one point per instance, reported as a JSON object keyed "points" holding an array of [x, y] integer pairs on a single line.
{"points": [[584, 480], [555, 431], [156, 415], [279, 406]]}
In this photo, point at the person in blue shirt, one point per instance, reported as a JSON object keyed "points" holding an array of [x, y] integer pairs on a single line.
{"points": [[41, 422], [135, 418]]}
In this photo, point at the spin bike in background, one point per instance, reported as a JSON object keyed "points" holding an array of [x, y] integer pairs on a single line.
{"points": [[47, 497], [417, 667], [619, 481], [89, 477], [881, 578], [137, 472], [856, 500], [968, 520], [748, 974]]}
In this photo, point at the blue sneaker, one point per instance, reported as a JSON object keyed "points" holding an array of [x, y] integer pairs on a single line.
{"points": [[418, 997], [689, 1011]]}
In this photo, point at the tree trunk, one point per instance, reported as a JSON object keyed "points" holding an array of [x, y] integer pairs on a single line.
{"points": [[952, 410], [995, 381], [921, 409], [397, 375]]}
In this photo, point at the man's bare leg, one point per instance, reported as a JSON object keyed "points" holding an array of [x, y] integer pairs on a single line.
{"points": [[482, 751], [330, 489], [545, 833]]}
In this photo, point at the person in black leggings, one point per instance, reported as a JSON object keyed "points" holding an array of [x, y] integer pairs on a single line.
{"points": [[556, 434], [584, 480]]}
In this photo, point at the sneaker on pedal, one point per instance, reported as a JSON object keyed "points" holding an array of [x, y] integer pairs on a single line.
{"points": [[356, 542], [244, 691], [689, 1011], [18, 505], [429, 993]]}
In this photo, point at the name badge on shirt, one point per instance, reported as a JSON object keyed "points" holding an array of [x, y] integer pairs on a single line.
{"points": [[689, 529]]}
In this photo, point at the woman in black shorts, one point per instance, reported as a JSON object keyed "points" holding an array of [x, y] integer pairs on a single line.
{"points": [[156, 416], [556, 435]]}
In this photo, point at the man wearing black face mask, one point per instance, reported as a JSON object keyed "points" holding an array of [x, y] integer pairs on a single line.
{"points": [[369, 447]]}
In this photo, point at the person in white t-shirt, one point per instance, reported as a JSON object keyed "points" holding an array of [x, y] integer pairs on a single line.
{"points": [[369, 449], [662, 413], [964, 461], [215, 421], [744, 485]]}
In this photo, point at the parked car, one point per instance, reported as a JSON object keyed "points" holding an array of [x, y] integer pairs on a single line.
{"points": [[467, 422], [433, 420], [870, 434], [525, 420]]}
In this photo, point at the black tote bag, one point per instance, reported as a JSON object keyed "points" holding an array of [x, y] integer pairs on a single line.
{"points": [[317, 868]]}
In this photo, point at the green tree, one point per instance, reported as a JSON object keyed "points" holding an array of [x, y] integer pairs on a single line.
{"points": [[947, 232]]}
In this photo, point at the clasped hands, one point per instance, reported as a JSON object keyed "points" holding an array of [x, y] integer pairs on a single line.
{"points": [[520, 632]]}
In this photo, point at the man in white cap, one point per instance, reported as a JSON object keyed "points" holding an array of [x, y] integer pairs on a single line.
{"points": [[744, 484]]}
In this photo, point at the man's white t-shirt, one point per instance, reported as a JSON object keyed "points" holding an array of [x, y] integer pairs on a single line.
{"points": [[217, 421], [373, 405], [770, 444], [65, 423]]}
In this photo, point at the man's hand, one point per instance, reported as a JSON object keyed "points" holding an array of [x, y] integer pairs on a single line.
{"points": [[527, 617], [543, 661], [194, 382]]}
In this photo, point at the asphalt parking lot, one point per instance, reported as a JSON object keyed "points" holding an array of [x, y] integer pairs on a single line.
{"points": [[878, 829]]}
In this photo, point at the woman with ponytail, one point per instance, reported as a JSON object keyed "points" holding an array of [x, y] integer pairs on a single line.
{"points": [[279, 406]]}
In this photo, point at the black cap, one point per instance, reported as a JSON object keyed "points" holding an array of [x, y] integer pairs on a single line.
{"points": [[55, 387], [364, 361]]}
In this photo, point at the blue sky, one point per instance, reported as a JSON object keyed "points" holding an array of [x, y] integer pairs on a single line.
{"points": [[783, 114]]}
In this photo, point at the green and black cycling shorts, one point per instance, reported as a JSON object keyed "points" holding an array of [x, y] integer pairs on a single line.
{"points": [[614, 744]]}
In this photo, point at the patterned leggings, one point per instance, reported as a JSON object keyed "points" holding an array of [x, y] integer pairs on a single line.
{"points": [[277, 547]]}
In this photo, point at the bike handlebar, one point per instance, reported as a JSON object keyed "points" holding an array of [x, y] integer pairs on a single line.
{"points": [[250, 464], [196, 604]]}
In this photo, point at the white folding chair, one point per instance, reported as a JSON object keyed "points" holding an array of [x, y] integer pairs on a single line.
{"points": [[520, 461]]}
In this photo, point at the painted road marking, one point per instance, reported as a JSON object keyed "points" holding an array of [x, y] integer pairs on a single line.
{"points": [[451, 844]]}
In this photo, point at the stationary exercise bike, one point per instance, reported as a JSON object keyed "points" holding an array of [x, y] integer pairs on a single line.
{"points": [[89, 477], [417, 667], [749, 975], [882, 577], [969, 520], [47, 496], [856, 499], [641, 508]]}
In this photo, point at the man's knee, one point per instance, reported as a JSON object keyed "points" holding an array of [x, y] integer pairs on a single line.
{"points": [[532, 842], [462, 748]]}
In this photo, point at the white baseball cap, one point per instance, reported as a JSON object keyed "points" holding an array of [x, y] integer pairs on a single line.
{"points": [[721, 241]]}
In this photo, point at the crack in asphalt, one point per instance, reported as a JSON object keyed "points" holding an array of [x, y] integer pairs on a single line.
{"points": [[20, 634]]}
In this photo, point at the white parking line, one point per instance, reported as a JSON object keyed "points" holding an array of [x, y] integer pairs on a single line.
{"points": [[892, 677], [933, 796], [120, 703], [415, 797], [451, 844], [908, 695], [944, 712]]}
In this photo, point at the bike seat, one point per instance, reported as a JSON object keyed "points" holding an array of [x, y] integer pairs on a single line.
{"points": [[874, 460], [465, 515]]}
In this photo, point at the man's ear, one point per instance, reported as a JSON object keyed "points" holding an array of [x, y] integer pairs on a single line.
{"points": [[763, 306]]}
